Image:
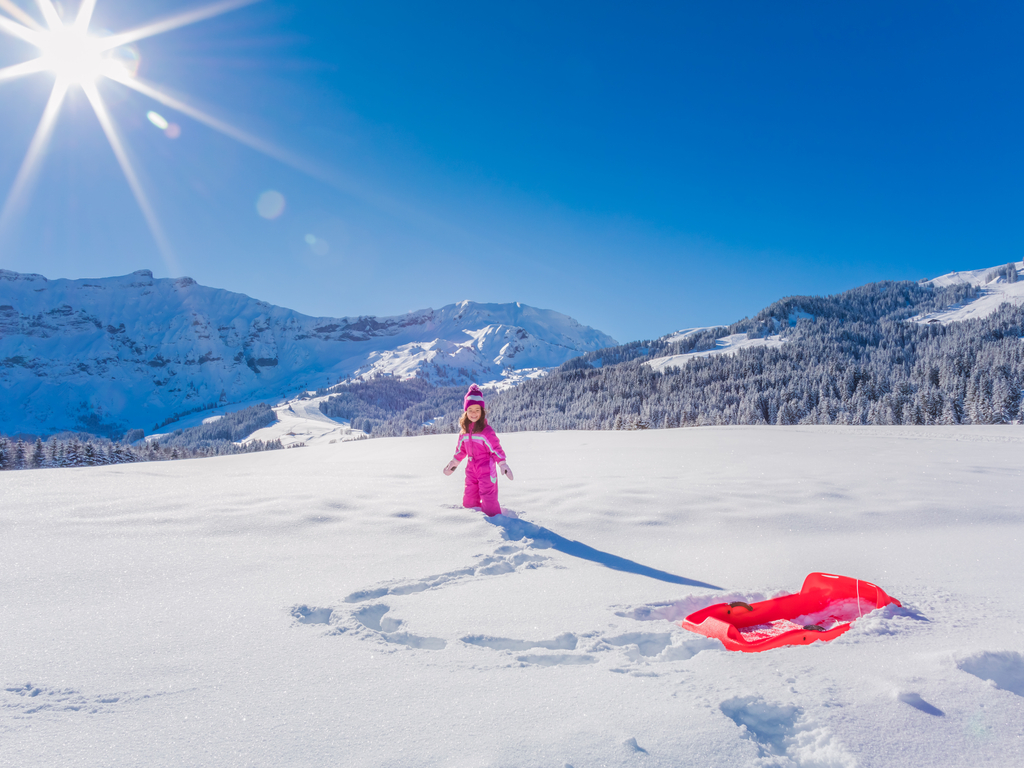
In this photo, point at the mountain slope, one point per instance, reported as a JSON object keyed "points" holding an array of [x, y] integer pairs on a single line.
{"points": [[878, 354], [108, 354]]}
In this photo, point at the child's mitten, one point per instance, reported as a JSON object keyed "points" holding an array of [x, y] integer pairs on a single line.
{"points": [[452, 466], [505, 470]]}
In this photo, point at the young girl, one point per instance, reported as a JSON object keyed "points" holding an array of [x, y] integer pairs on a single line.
{"points": [[479, 442]]}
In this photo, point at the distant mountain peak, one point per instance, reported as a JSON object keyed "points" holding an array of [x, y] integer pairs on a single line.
{"points": [[108, 354]]}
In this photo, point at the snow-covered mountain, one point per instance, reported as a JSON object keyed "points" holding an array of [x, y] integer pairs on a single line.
{"points": [[998, 286], [114, 353]]}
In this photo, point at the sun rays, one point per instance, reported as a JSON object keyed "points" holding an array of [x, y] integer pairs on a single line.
{"points": [[76, 58]]}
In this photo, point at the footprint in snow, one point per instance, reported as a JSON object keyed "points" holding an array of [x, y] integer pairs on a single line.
{"points": [[783, 732], [557, 659], [306, 615], [371, 618], [505, 560], [371, 621], [659, 647], [368, 622], [564, 642]]}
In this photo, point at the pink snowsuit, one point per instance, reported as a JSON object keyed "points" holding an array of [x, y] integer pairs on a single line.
{"points": [[483, 450]]}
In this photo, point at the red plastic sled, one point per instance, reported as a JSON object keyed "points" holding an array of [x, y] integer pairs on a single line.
{"points": [[826, 606]]}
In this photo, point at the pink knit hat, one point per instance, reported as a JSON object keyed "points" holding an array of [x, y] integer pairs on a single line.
{"points": [[473, 397]]}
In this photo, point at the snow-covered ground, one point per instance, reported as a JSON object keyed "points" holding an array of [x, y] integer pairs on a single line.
{"points": [[727, 345], [994, 293], [336, 606], [301, 422]]}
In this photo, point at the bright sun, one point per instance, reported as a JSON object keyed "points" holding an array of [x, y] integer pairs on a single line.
{"points": [[76, 58]]}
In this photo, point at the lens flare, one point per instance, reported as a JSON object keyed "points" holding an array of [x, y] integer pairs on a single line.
{"points": [[270, 204], [77, 58], [318, 245], [157, 119], [125, 59]]}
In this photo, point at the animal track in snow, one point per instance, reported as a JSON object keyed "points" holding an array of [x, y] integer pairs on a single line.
{"points": [[1002, 669], [782, 732]]}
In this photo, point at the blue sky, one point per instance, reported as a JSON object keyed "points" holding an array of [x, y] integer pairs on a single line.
{"points": [[642, 167]]}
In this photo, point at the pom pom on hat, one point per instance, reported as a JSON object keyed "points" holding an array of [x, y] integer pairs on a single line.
{"points": [[473, 397]]}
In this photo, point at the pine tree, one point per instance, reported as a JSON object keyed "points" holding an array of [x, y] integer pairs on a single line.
{"points": [[18, 455], [38, 458], [72, 454]]}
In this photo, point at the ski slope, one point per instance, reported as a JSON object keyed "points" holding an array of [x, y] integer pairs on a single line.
{"points": [[994, 293], [336, 606], [301, 422], [727, 345]]}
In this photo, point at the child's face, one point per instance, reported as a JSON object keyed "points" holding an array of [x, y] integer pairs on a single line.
{"points": [[474, 412]]}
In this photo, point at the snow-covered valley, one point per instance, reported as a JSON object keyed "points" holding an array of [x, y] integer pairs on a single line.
{"points": [[335, 605]]}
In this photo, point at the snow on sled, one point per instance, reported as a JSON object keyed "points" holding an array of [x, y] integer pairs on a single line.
{"points": [[826, 606]]}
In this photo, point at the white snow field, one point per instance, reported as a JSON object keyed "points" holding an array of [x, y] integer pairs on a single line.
{"points": [[335, 606]]}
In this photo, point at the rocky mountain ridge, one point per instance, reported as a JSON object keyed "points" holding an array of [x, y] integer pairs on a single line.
{"points": [[109, 354]]}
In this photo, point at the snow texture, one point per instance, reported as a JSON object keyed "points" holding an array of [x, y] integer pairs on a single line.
{"points": [[336, 606]]}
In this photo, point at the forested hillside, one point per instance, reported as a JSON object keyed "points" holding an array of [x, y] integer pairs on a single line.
{"points": [[859, 357]]}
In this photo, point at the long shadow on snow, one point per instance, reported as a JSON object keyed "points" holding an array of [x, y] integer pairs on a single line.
{"points": [[519, 529]]}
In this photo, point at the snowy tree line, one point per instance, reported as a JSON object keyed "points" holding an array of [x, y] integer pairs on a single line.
{"points": [[84, 450], [1008, 273], [856, 358], [385, 406], [229, 428], [859, 357]]}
